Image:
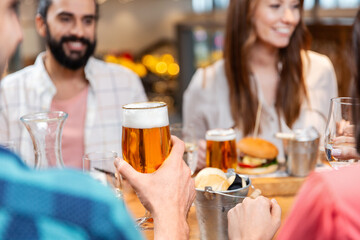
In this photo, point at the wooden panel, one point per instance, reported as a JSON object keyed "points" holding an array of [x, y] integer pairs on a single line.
{"points": [[281, 186]]}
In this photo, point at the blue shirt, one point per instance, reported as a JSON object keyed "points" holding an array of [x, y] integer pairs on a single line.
{"points": [[58, 204]]}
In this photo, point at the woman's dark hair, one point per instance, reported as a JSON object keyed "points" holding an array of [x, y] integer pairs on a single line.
{"points": [[44, 5], [356, 76], [240, 37]]}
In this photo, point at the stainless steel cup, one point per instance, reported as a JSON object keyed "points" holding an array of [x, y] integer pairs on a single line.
{"points": [[302, 152]]}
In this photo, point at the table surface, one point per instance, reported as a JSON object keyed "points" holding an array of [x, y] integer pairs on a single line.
{"points": [[283, 189]]}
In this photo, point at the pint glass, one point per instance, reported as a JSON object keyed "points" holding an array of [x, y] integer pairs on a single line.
{"points": [[221, 149], [145, 135]]}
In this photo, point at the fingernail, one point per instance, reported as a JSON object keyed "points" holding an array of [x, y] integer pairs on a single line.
{"points": [[273, 200], [116, 163], [335, 152]]}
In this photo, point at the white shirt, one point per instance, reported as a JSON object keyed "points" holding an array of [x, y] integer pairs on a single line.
{"points": [[31, 90], [206, 104]]}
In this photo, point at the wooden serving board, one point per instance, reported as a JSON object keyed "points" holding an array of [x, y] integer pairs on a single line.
{"points": [[278, 186]]}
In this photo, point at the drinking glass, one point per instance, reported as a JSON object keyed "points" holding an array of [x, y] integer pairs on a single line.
{"points": [[221, 149], [45, 129], [146, 141], [339, 132], [100, 166], [188, 137]]}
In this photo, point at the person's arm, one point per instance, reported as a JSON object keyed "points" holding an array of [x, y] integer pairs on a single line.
{"points": [[254, 219], [195, 105], [323, 84], [201, 154], [195, 108], [4, 122], [321, 87], [167, 193], [312, 214]]}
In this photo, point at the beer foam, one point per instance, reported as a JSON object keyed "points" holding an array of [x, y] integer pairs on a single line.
{"points": [[145, 115], [219, 135]]}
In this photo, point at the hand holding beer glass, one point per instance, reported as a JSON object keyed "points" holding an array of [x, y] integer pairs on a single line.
{"points": [[145, 139], [221, 149]]}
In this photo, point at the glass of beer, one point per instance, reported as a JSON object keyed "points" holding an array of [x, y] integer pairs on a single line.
{"points": [[221, 148], [146, 139]]}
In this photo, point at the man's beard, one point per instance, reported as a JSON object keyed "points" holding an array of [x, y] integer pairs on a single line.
{"points": [[56, 48]]}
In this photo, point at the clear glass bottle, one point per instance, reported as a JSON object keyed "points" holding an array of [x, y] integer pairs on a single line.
{"points": [[45, 129]]}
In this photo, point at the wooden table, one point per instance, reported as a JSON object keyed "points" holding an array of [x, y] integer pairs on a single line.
{"points": [[283, 189]]}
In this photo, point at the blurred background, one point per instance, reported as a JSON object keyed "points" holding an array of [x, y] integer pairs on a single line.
{"points": [[164, 41]]}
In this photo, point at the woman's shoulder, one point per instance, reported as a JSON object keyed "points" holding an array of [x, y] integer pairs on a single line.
{"points": [[318, 69], [315, 60]]}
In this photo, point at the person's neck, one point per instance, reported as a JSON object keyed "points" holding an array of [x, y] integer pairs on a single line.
{"points": [[262, 55], [57, 71]]}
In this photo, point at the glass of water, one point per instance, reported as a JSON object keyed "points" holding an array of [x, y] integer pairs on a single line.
{"points": [[187, 135], [340, 148], [100, 166]]}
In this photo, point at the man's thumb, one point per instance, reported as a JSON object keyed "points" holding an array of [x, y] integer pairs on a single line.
{"points": [[275, 210]]}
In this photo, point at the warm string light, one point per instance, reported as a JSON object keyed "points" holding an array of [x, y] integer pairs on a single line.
{"points": [[120, 1], [161, 65]]}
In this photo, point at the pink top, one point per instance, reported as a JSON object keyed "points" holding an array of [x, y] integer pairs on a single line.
{"points": [[327, 207], [73, 131]]}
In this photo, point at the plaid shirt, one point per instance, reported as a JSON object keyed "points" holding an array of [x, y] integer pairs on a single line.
{"points": [[58, 204], [31, 90]]}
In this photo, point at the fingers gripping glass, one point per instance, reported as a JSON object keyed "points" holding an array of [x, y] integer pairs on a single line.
{"points": [[340, 139]]}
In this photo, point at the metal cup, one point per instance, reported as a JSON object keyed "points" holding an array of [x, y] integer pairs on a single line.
{"points": [[302, 152]]}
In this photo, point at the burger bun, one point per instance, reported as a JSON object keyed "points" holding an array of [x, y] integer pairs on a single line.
{"points": [[257, 147], [212, 177], [258, 170]]}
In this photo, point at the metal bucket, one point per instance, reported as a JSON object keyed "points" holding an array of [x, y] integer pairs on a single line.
{"points": [[212, 208]]}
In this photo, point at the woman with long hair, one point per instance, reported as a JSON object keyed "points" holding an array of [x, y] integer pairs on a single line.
{"points": [[267, 71], [327, 205]]}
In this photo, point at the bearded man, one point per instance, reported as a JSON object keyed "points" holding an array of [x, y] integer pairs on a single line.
{"points": [[67, 78]]}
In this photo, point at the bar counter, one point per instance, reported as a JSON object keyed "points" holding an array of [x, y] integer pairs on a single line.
{"points": [[283, 189]]}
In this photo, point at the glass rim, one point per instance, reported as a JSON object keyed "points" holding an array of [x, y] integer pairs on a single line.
{"points": [[221, 132], [159, 105], [346, 100], [48, 116]]}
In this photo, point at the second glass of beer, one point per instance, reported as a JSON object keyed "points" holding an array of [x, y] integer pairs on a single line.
{"points": [[221, 149], [146, 140]]}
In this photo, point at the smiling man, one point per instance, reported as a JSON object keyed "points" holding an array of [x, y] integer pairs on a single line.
{"points": [[67, 78], [67, 204]]}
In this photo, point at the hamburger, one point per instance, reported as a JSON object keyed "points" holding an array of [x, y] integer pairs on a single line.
{"points": [[257, 156]]}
